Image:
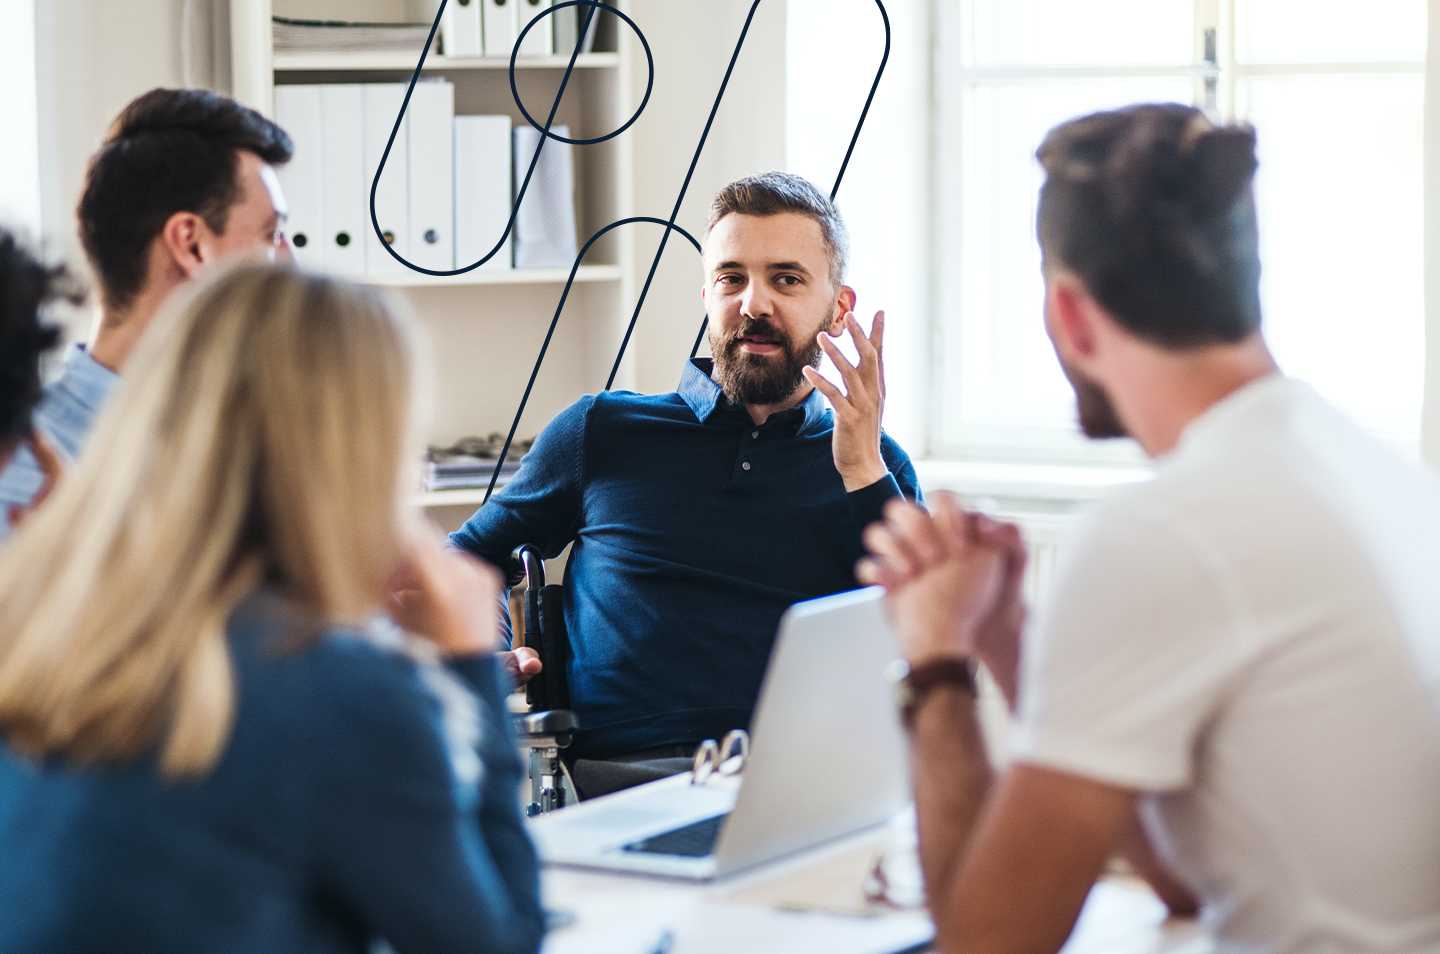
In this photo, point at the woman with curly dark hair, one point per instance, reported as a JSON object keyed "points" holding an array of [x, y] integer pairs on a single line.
{"points": [[27, 286]]}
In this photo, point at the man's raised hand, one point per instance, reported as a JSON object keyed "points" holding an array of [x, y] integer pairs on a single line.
{"points": [[860, 407]]}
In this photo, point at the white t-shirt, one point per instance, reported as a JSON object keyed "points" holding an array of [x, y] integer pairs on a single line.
{"points": [[1253, 638]]}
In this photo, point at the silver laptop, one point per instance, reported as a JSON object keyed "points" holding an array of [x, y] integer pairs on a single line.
{"points": [[827, 758]]}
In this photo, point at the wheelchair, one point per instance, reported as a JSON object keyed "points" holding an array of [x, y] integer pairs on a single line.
{"points": [[548, 726]]}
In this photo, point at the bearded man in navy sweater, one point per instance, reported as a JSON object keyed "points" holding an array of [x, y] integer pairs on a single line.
{"points": [[698, 516]]}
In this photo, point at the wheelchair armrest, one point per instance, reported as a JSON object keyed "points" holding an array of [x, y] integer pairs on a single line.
{"points": [[558, 724]]}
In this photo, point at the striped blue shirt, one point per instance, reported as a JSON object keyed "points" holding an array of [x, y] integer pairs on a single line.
{"points": [[65, 415]]}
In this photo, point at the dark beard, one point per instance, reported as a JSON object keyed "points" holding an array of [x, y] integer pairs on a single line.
{"points": [[1098, 419], [761, 379]]}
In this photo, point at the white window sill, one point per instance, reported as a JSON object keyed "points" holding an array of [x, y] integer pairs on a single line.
{"points": [[1044, 483]]}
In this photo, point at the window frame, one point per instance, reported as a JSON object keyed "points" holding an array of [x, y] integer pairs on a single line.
{"points": [[1216, 74]]}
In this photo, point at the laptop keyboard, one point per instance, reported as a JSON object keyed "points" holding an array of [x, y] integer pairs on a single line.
{"points": [[695, 840]]}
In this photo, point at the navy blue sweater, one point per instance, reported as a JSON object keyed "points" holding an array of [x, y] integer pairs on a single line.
{"points": [[338, 813], [693, 530]]}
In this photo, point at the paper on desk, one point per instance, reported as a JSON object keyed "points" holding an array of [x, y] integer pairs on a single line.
{"points": [[835, 882], [725, 927], [834, 886]]}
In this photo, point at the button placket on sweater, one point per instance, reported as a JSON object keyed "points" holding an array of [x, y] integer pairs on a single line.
{"points": [[745, 455]]}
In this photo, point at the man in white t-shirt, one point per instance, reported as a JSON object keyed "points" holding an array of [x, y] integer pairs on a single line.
{"points": [[1245, 649]]}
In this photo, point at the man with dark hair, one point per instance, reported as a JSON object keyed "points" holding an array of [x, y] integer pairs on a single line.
{"points": [[1243, 649], [27, 287], [698, 516], [183, 179]]}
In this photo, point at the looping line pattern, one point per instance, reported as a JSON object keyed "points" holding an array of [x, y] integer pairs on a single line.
{"points": [[591, 8]]}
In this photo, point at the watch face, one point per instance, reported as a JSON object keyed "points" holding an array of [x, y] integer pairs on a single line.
{"points": [[897, 671]]}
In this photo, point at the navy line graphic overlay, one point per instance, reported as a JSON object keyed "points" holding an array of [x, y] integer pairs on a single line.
{"points": [[591, 9]]}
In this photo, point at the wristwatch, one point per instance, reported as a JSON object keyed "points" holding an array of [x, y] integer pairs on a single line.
{"points": [[913, 683]]}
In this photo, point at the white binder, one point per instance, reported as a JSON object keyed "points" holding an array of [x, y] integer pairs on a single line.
{"points": [[346, 190], [297, 110], [431, 122], [540, 41], [382, 105], [545, 222], [567, 29], [482, 190], [460, 34], [499, 27]]}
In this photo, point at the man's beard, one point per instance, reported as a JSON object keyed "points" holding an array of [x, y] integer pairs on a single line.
{"points": [[759, 378], [1098, 419]]}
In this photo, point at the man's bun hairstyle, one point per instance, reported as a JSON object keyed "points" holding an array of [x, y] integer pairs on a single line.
{"points": [[1152, 206]]}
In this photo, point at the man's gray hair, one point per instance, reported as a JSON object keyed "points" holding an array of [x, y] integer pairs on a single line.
{"points": [[774, 192]]}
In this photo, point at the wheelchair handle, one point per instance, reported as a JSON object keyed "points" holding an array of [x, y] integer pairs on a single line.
{"points": [[528, 565], [532, 568]]}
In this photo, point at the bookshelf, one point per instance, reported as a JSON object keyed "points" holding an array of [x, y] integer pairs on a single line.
{"points": [[485, 327], [469, 498], [322, 62], [515, 276]]}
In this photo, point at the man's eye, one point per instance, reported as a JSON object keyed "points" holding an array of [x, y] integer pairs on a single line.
{"points": [[790, 281], [729, 279]]}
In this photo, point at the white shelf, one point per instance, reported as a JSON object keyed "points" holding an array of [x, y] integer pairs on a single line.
{"points": [[360, 61], [469, 497], [509, 276], [475, 362]]}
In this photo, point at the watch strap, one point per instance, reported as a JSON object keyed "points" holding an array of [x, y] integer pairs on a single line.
{"points": [[923, 678]]}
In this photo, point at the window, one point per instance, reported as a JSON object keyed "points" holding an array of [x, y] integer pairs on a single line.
{"points": [[832, 50], [1335, 90]]}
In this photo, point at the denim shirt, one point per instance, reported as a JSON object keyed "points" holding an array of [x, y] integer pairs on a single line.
{"points": [[65, 415]]}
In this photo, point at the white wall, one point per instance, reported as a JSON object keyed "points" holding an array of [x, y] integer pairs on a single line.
{"points": [[833, 49], [91, 58], [692, 41], [20, 160]]}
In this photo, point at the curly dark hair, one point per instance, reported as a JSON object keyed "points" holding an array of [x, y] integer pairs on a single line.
{"points": [[27, 286]]}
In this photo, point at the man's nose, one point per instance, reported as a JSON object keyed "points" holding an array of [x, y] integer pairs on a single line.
{"points": [[757, 302]]}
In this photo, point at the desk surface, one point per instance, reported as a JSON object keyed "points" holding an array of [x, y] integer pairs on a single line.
{"points": [[820, 903]]}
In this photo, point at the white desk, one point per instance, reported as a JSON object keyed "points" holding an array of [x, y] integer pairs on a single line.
{"points": [[627, 914]]}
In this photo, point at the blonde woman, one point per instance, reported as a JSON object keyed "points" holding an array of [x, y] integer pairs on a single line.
{"points": [[206, 743]]}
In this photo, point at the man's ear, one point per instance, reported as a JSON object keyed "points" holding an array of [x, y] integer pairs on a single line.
{"points": [[186, 240], [1071, 318], [844, 302]]}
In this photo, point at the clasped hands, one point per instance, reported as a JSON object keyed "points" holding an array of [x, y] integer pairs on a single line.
{"points": [[953, 581]]}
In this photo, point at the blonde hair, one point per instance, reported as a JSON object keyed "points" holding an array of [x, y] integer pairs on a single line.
{"points": [[261, 434]]}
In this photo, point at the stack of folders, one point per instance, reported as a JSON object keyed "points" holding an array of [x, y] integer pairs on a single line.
{"points": [[491, 27], [444, 197], [462, 471], [340, 133], [326, 36]]}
